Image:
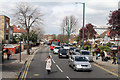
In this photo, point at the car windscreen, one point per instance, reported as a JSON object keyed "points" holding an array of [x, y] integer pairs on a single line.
{"points": [[55, 43], [85, 53], [63, 51], [77, 50], [52, 44], [57, 47], [65, 45], [71, 48], [77, 58], [114, 46]]}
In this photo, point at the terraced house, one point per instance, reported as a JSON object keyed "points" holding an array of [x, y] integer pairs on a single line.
{"points": [[5, 29]]}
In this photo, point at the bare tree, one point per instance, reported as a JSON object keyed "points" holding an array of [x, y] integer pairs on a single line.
{"points": [[40, 31], [69, 24], [27, 16]]}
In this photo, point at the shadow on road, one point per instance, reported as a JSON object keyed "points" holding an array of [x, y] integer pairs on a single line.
{"points": [[52, 72]]}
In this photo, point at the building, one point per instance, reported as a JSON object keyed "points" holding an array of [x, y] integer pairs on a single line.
{"points": [[48, 37], [17, 31], [4, 29]]}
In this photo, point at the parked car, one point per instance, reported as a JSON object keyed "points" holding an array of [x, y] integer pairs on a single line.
{"points": [[56, 49], [87, 54], [63, 53], [113, 47], [78, 62], [52, 46], [10, 47]]}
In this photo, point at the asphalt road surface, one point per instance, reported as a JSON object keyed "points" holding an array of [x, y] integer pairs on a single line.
{"points": [[61, 69]]}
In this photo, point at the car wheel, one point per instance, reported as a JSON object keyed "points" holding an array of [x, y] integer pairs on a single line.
{"points": [[59, 56], [69, 65], [74, 68]]}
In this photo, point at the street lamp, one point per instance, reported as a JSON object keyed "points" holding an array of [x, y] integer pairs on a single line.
{"points": [[83, 21], [63, 34], [68, 32], [20, 47]]}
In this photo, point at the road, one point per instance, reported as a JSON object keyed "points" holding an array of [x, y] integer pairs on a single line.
{"points": [[60, 69]]}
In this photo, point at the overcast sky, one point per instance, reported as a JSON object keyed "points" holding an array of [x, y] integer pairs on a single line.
{"points": [[96, 12]]}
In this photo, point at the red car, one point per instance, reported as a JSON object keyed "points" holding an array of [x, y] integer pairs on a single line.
{"points": [[52, 47]]}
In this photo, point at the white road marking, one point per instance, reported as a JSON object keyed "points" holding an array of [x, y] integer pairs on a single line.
{"points": [[59, 68], [68, 78], [53, 61], [50, 56]]}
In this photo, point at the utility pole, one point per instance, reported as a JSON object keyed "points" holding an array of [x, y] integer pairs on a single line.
{"points": [[63, 34], [83, 24], [20, 48], [68, 32]]}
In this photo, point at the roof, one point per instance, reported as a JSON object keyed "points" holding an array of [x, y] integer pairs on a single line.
{"points": [[16, 30], [104, 33]]}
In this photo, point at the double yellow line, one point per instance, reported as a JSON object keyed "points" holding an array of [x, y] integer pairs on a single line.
{"points": [[27, 66], [106, 70]]}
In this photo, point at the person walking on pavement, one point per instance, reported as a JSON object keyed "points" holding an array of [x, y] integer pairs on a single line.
{"points": [[97, 53], [114, 58], [48, 64], [8, 54], [102, 55], [118, 57]]}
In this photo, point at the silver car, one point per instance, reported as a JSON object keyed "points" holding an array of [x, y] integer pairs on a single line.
{"points": [[87, 54], [78, 62]]}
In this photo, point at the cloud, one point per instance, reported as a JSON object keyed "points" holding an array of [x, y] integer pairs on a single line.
{"points": [[96, 12]]}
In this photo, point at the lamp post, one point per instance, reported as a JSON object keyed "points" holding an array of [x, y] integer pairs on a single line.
{"points": [[83, 22], [68, 32], [63, 34], [20, 47]]}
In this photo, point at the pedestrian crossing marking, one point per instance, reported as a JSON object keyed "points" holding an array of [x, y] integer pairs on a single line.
{"points": [[36, 74]]}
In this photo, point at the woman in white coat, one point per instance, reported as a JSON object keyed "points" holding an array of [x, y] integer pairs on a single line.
{"points": [[48, 64]]}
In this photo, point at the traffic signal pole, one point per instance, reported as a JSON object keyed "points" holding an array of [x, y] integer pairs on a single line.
{"points": [[83, 24], [68, 32]]}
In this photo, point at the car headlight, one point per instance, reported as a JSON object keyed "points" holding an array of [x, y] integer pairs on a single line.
{"points": [[87, 58], [60, 54], [78, 66], [89, 65]]}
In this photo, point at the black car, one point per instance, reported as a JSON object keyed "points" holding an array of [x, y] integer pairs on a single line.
{"points": [[72, 49], [63, 53]]}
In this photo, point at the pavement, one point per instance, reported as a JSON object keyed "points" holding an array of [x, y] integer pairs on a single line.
{"points": [[0, 65], [107, 65], [12, 67]]}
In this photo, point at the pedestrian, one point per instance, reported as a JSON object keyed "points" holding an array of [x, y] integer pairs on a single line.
{"points": [[118, 57], [114, 58], [8, 53], [102, 55], [93, 51], [48, 64], [97, 53], [87, 47], [106, 56]]}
